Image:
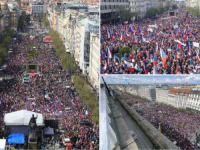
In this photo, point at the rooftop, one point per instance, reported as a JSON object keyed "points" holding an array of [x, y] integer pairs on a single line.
{"points": [[38, 3], [175, 91]]}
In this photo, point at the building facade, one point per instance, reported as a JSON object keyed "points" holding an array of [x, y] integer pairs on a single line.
{"points": [[37, 8], [5, 10], [162, 95], [141, 7], [109, 7], [193, 102], [94, 59], [76, 24]]}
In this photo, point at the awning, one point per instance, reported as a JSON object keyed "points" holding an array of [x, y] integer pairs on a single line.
{"points": [[47, 38], [48, 131], [16, 138], [32, 75]]}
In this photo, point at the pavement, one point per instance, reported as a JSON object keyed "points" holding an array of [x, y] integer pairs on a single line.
{"points": [[139, 136], [123, 133]]}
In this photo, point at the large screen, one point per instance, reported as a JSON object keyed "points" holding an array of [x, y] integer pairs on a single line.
{"points": [[171, 13], [32, 67], [51, 123]]}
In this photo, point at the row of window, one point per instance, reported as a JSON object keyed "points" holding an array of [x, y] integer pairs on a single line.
{"points": [[106, 7], [37, 8]]}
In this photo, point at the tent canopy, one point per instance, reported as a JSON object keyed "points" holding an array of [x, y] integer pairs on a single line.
{"points": [[48, 131], [22, 117], [2, 144], [32, 75], [16, 138], [47, 38]]}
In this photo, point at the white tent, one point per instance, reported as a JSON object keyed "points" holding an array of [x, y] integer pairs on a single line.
{"points": [[2, 144], [22, 117]]}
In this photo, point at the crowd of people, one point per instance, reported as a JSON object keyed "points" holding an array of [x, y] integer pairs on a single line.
{"points": [[165, 45], [45, 92], [180, 127]]}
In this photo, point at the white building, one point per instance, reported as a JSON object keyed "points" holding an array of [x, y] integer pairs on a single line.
{"points": [[182, 98], [162, 95], [49, 14], [193, 102], [155, 3], [132, 5], [94, 59], [141, 7], [148, 5], [151, 93], [37, 8]]}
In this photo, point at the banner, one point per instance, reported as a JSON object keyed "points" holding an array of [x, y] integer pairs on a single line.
{"points": [[152, 26], [150, 30], [195, 44]]}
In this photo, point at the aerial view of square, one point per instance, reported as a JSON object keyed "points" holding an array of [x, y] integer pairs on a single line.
{"points": [[49, 64]]}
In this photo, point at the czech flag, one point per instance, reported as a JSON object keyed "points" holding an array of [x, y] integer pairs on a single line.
{"points": [[140, 53], [133, 39], [176, 53], [125, 23], [167, 43], [145, 68], [179, 43], [187, 19], [101, 58], [128, 36], [130, 30], [108, 34], [125, 66], [155, 64], [130, 69], [113, 37], [109, 55], [164, 57]]}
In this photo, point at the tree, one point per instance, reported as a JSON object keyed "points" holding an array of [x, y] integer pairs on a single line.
{"points": [[124, 50], [153, 11], [67, 60], [88, 97], [124, 14], [4, 42], [174, 6], [21, 21], [44, 20]]}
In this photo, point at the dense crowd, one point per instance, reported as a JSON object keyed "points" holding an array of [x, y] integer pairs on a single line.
{"points": [[50, 91], [180, 127], [166, 45]]}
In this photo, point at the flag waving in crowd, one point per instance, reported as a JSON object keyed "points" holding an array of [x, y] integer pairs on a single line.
{"points": [[169, 42]]}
